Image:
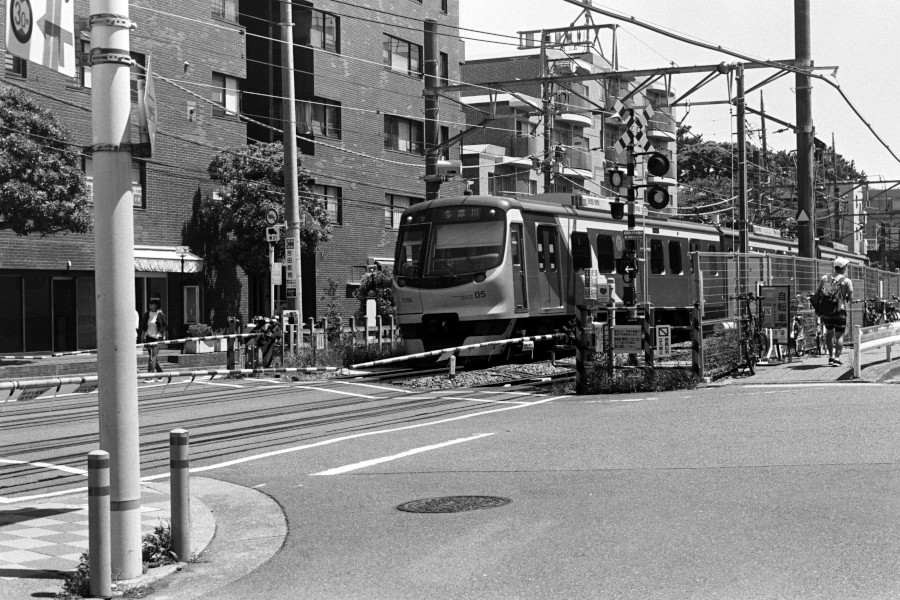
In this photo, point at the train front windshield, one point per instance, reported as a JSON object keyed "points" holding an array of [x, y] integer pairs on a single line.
{"points": [[443, 247]]}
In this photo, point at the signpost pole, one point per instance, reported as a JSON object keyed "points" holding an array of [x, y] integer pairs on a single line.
{"points": [[293, 284]]}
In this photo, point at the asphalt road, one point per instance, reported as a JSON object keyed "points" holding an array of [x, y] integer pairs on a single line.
{"points": [[731, 492]]}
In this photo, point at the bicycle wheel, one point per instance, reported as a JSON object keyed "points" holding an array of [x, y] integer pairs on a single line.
{"points": [[749, 356], [761, 341]]}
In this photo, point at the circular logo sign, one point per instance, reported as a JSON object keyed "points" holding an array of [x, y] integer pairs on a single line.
{"points": [[22, 19], [271, 216]]}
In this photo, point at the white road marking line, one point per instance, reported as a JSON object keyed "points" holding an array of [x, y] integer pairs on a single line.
{"points": [[784, 385], [45, 465], [383, 459], [256, 457], [464, 399], [511, 393], [619, 400], [318, 389], [375, 387], [261, 485]]}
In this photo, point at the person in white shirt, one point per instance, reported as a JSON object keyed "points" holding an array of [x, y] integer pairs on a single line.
{"points": [[153, 329]]}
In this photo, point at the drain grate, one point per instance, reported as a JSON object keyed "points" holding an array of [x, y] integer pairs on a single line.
{"points": [[452, 504]]}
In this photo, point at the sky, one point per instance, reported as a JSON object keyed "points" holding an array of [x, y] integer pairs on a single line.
{"points": [[858, 37]]}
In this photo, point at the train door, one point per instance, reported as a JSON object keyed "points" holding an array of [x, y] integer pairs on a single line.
{"points": [[548, 266], [517, 256]]}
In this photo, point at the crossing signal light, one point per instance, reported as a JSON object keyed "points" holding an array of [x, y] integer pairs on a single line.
{"points": [[617, 210], [657, 197], [658, 164], [616, 178]]}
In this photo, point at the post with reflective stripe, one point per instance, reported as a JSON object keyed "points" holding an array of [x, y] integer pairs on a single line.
{"points": [[352, 331], [649, 343], [453, 367], [393, 332], [180, 493], [378, 329], [697, 342], [312, 338], [857, 353], [99, 543]]}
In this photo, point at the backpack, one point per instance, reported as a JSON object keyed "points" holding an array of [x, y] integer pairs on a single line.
{"points": [[829, 297]]}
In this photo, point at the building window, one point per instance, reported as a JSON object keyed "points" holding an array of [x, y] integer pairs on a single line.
{"points": [[401, 56], [318, 29], [403, 135], [444, 67], [191, 304], [444, 6], [319, 117], [15, 66], [225, 95], [138, 181], [83, 73], [444, 136], [225, 9], [333, 201], [395, 205], [138, 62]]}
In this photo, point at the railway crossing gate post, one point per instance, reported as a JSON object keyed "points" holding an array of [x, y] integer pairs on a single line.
{"points": [[649, 342]]}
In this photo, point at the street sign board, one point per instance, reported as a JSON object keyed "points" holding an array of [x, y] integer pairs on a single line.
{"points": [[663, 341], [633, 234], [775, 305], [628, 338], [43, 32], [290, 265], [276, 273], [271, 216], [273, 234]]}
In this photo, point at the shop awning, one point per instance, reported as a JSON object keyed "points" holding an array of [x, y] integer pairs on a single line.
{"points": [[165, 259]]}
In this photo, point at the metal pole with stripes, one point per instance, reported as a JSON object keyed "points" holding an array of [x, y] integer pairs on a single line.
{"points": [[180, 492], [649, 343], [697, 342], [99, 539], [581, 317]]}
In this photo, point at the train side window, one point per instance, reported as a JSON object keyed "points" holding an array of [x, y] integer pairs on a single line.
{"points": [[581, 250], [547, 245], [714, 260], [657, 260], [606, 254], [675, 265]]}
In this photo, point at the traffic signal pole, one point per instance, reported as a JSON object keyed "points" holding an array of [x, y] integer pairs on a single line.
{"points": [[114, 276], [291, 187]]}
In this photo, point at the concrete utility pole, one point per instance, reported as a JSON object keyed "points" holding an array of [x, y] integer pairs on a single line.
{"points": [[114, 273], [743, 224], [546, 88], [805, 131], [291, 188], [432, 131]]}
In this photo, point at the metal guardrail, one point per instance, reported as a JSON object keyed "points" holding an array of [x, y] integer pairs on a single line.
{"points": [[876, 336]]}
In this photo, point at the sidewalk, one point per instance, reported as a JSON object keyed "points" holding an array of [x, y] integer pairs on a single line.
{"points": [[815, 369], [41, 541]]}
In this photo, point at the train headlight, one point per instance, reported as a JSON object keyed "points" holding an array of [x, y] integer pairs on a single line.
{"points": [[480, 277], [401, 282]]}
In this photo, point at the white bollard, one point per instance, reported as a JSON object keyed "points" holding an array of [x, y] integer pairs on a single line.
{"points": [[453, 367], [99, 542], [180, 493]]}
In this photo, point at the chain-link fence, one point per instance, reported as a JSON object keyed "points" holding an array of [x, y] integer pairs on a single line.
{"points": [[720, 278]]}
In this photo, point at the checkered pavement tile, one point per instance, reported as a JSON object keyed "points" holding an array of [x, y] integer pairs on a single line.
{"points": [[50, 538]]}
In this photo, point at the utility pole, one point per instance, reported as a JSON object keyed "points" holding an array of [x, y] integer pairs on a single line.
{"points": [[837, 196], [743, 224], [291, 189], [432, 111], [546, 89], [762, 120], [114, 273], [805, 131]]}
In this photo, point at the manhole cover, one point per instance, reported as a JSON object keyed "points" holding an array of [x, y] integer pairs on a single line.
{"points": [[452, 504]]}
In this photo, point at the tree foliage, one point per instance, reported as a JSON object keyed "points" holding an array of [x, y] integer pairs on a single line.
{"points": [[252, 180], [708, 171], [42, 187], [377, 284]]}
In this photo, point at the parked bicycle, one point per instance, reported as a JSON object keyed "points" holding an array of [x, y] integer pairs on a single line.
{"points": [[891, 313], [873, 311], [754, 342]]}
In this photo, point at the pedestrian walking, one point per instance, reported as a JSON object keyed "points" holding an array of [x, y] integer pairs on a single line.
{"points": [[153, 329], [831, 301]]}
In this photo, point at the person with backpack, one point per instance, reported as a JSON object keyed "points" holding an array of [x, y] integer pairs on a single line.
{"points": [[831, 301]]}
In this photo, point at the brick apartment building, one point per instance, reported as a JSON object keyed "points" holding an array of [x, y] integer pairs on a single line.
{"points": [[360, 111], [502, 157], [47, 284]]}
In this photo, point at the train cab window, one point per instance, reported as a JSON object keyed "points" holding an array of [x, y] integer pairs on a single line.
{"points": [[675, 265], [409, 251], [606, 254], [581, 250], [546, 247], [657, 260]]}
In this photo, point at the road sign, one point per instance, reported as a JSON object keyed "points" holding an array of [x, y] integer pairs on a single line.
{"points": [[634, 234], [775, 305], [273, 234], [271, 216], [43, 32], [628, 338], [150, 109], [663, 341], [306, 220], [802, 217], [276, 273]]}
